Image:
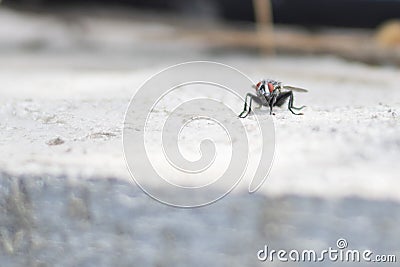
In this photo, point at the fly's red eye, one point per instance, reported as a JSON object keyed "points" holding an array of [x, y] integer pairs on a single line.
{"points": [[270, 87], [258, 85]]}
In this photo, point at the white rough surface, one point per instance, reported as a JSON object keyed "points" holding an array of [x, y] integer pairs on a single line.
{"points": [[335, 172], [346, 144]]}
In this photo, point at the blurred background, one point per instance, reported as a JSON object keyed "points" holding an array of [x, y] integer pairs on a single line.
{"points": [[364, 30], [309, 13]]}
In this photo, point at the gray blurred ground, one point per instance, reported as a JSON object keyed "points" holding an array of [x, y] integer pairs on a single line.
{"points": [[66, 198]]}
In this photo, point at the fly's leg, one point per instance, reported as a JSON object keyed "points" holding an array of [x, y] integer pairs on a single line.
{"points": [[300, 108], [246, 110], [290, 105], [281, 98], [272, 103]]}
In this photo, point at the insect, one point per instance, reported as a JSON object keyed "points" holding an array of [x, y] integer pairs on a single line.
{"points": [[271, 93]]}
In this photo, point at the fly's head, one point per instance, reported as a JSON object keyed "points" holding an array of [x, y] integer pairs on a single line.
{"points": [[268, 87]]}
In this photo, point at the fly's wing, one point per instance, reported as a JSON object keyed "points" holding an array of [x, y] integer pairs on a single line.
{"points": [[296, 89]]}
